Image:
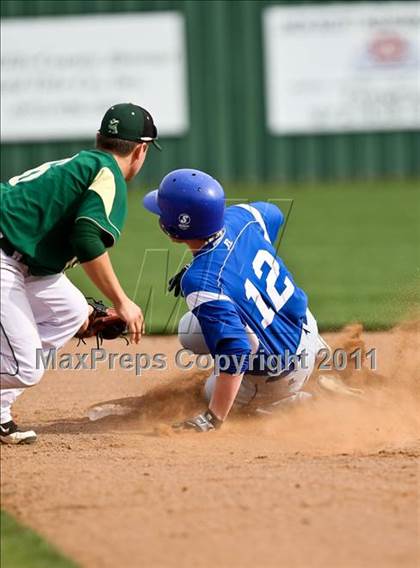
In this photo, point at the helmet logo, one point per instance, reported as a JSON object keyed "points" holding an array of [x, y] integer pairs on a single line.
{"points": [[184, 221], [113, 126]]}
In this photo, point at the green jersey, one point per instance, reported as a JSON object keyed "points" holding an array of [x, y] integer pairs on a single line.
{"points": [[41, 206]]}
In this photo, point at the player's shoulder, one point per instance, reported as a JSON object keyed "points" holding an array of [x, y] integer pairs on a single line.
{"points": [[102, 167], [98, 159], [267, 216], [235, 220], [253, 211]]}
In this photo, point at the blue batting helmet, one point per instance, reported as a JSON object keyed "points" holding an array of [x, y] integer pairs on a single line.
{"points": [[190, 204]]}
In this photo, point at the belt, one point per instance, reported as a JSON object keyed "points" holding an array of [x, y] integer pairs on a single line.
{"points": [[7, 247]]}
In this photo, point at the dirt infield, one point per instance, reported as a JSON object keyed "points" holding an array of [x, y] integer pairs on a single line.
{"points": [[334, 483]]}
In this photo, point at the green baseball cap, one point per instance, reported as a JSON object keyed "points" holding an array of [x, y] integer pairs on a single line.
{"points": [[127, 121]]}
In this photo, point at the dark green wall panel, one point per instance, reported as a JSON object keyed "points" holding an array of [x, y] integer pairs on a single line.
{"points": [[227, 133]]}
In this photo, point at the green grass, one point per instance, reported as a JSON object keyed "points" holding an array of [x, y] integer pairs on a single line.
{"points": [[354, 248], [22, 548]]}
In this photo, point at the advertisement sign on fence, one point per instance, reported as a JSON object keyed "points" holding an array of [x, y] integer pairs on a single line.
{"points": [[59, 74], [342, 67]]}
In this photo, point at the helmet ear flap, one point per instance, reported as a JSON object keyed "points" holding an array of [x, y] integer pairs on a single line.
{"points": [[168, 231]]}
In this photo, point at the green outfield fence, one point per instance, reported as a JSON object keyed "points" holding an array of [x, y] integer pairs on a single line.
{"points": [[227, 134]]}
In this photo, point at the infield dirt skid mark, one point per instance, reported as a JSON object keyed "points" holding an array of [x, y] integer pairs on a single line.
{"points": [[331, 484]]}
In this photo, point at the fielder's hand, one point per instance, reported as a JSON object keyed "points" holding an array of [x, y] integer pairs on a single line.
{"points": [[202, 423], [133, 316], [174, 283]]}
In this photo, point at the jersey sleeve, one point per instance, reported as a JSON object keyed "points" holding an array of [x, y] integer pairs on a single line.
{"points": [[104, 204], [223, 329], [87, 240], [268, 216]]}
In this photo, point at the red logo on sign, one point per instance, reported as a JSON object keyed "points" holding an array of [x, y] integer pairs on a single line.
{"points": [[388, 49]]}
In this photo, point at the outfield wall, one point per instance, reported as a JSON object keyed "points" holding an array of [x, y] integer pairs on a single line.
{"points": [[227, 132]]}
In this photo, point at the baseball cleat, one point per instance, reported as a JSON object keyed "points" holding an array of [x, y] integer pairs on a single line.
{"points": [[10, 434]]}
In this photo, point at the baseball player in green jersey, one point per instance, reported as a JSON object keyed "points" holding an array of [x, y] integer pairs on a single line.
{"points": [[51, 217]]}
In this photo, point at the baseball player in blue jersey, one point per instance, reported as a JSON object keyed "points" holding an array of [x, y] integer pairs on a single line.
{"points": [[245, 308]]}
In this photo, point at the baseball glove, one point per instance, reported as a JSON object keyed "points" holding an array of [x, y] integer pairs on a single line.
{"points": [[104, 323]]}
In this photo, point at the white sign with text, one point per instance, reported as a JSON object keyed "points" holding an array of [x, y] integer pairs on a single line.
{"points": [[60, 74], [342, 67]]}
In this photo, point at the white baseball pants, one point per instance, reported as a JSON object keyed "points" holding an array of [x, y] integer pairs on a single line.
{"points": [[264, 391], [37, 312]]}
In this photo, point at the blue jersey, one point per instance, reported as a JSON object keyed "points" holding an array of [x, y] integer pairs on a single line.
{"points": [[239, 283]]}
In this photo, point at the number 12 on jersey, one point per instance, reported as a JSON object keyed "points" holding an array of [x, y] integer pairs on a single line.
{"points": [[277, 300]]}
